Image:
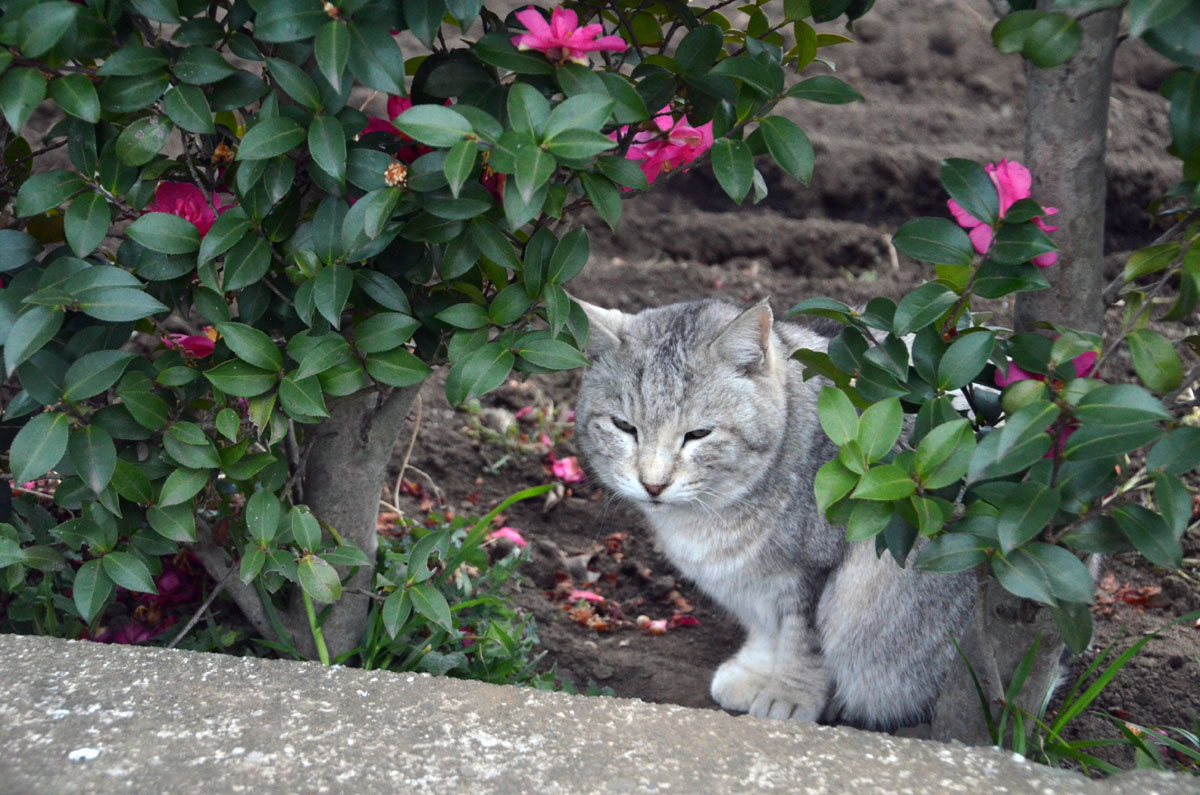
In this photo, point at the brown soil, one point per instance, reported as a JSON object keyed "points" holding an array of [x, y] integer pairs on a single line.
{"points": [[935, 88]]}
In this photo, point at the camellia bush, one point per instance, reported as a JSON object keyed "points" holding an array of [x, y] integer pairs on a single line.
{"points": [[225, 283]]}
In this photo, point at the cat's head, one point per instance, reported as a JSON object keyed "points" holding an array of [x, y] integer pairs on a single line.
{"points": [[685, 403]]}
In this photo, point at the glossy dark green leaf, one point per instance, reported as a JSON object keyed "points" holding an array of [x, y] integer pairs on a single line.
{"points": [[188, 107], [733, 165], [921, 307], [429, 602], [478, 372], [1120, 404], [965, 359], [1177, 453], [935, 240], [460, 161], [397, 368], [86, 223], [879, 428], [120, 304], [91, 589], [1025, 512], [1023, 575], [38, 446], [605, 198], [1104, 441], [951, 553], [375, 59], [327, 143], [281, 21], [332, 49], [92, 373], [833, 482], [165, 233], [46, 190], [302, 398], [240, 379], [1150, 535], [201, 66], [16, 249], [262, 514], [318, 579], [181, 485], [142, 140], [271, 137], [247, 262], [76, 95], [1017, 243], [127, 94], [93, 455], [970, 186], [789, 146], [884, 482], [825, 89], [228, 229], [305, 529], [544, 351], [295, 83], [1155, 360], [128, 571], [251, 345], [699, 49], [21, 91]]}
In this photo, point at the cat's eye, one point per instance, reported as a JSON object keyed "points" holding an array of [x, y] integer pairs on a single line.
{"points": [[622, 425], [699, 433]]}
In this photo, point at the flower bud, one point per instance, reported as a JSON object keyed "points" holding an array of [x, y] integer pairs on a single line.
{"points": [[1020, 394]]}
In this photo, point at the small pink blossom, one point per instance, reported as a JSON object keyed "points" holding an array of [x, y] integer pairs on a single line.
{"points": [[186, 201], [670, 145], [195, 345], [523, 412], [510, 534], [590, 596], [562, 39], [566, 469], [1013, 182], [545, 440]]}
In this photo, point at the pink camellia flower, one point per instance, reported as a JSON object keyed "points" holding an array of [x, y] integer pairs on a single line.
{"points": [[566, 469], [670, 145], [195, 345], [1084, 363], [563, 39], [1013, 182], [523, 412], [511, 534], [186, 201], [590, 596]]}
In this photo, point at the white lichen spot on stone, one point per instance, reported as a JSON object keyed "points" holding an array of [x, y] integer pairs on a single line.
{"points": [[83, 754]]}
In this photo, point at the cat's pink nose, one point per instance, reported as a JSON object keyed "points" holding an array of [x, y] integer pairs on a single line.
{"points": [[653, 489]]}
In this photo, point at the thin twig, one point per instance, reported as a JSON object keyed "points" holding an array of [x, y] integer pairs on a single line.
{"points": [[1115, 285], [1188, 380], [220, 586], [412, 441]]}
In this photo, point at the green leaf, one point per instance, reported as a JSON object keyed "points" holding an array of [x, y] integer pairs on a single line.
{"points": [[91, 590], [569, 256], [253, 560], [952, 553], [936, 240], [579, 144], [295, 83], [1025, 512], [733, 165], [965, 359], [1150, 535], [1155, 360], [1147, 14], [41, 30], [1106, 441], [92, 373], [1099, 535], [878, 427], [534, 167], [1174, 502], [1017, 243], [1011, 32], [1052, 40], [332, 49], [86, 223], [375, 59], [36, 326], [327, 143], [76, 95], [944, 454], [579, 112], [131, 482], [699, 49], [921, 307], [324, 353], [623, 171], [433, 125], [383, 332], [396, 609], [1120, 404], [271, 137], [142, 140], [825, 89], [128, 571], [165, 233], [837, 416], [1074, 623], [127, 94], [46, 190], [331, 289], [545, 351], [38, 446], [867, 520], [280, 21], [21, 91], [181, 485], [397, 368], [496, 49], [1023, 575], [319, 580], [970, 186], [251, 345], [884, 482], [302, 397], [119, 304], [240, 379], [789, 146], [158, 10], [460, 161], [605, 198], [93, 455], [228, 229], [149, 410], [262, 514], [509, 305], [1177, 453], [304, 527], [424, 18], [16, 249], [132, 61], [833, 482], [478, 372], [429, 602], [201, 66], [1068, 578], [189, 109], [247, 262]]}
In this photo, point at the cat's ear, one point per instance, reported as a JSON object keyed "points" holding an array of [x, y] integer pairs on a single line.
{"points": [[747, 340], [604, 327]]}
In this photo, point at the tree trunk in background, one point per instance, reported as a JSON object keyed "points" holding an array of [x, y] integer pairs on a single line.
{"points": [[342, 483], [1066, 126]]}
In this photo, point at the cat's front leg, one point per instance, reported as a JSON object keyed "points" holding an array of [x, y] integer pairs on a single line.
{"points": [[774, 675]]}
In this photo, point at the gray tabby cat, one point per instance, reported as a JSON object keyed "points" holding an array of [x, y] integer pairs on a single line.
{"points": [[696, 414]]}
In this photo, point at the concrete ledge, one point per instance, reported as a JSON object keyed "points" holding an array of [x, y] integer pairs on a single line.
{"points": [[85, 717]]}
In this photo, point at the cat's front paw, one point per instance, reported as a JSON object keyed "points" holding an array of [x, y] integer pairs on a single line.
{"points": [[739, 688]]}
